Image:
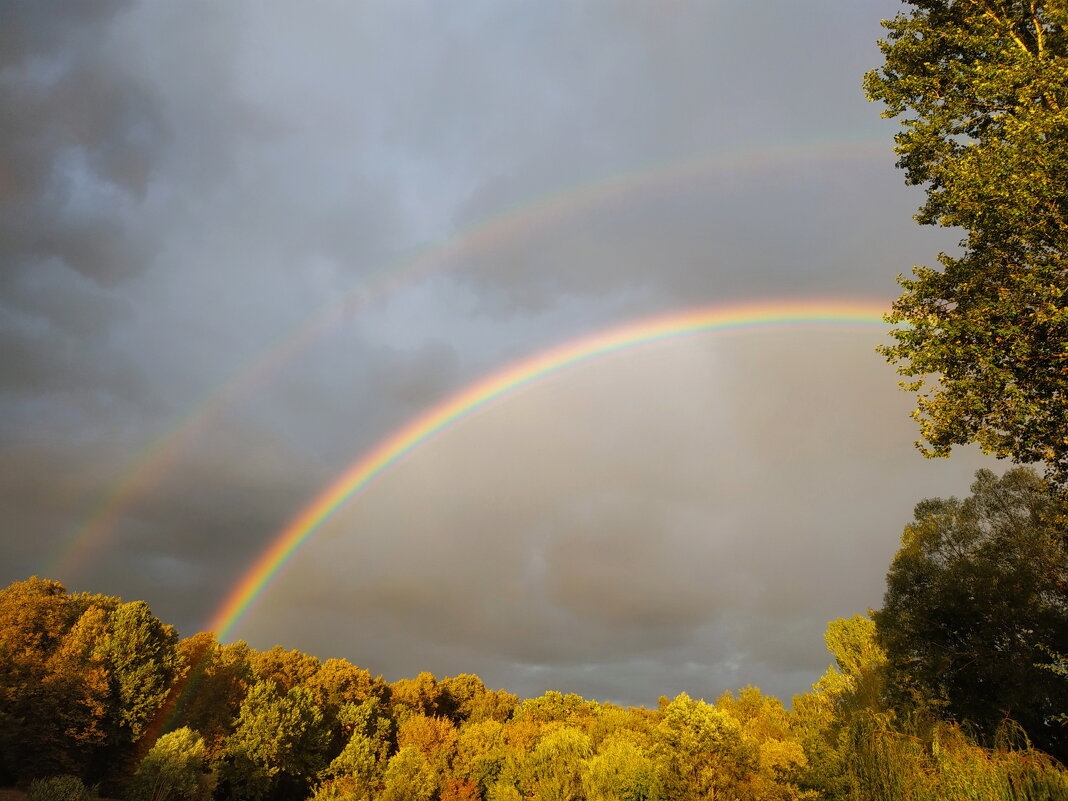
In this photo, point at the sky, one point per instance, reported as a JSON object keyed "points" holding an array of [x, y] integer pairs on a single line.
{"points": [[242, 243]]}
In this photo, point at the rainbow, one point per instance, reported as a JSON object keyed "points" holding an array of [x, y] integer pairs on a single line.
{"points": [[149, 466], [793, 314]]}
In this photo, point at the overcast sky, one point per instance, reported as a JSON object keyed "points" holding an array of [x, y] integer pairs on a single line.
{"points": [[243, 242]]}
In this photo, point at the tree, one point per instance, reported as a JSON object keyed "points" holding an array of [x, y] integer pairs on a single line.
{"points": [[356, 772], [287, 669], [434, 737], [415, 696], [279, 742], [140, 653], [983, 89], [552, 770], [481, 753], [851, 689], [702, 753], [215, 679], [459, 696], [409, 777], [974, 600], [176, 769], [54, 691], [338, 682], [623, 771], [768, 727]]}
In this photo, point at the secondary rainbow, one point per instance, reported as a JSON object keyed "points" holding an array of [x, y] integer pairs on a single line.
{"points": [[795, 314], [150, 465]]}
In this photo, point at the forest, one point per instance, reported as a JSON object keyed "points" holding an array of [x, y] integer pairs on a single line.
{"points": [[955, 688]]}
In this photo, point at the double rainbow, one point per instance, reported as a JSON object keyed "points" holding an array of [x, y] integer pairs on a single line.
{"points": [[149, 467], [834, 315]]}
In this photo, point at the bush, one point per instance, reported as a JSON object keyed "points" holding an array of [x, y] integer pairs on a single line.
{"points": [[58, 788], [176, 769]]}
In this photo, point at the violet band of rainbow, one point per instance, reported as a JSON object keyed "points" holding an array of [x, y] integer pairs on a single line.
{"points": [[847, 314]]}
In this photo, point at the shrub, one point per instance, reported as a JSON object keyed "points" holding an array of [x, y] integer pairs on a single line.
{"points": [[58, 788], [174, 770]]}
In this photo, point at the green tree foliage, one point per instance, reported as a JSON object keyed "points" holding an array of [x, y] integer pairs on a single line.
{"points": [[501, 791], [701, 751], [767, 728], [498, 705], [852, 686], [553, 769], [974, 598], [356, 772], [175, 769], [460, 696], [622, 770], [337, 682], [83, 677], [940, 762], [409, 777], [415, 696], [141, 658], [278, 744], [138, 654], [481, 754], [557, 707], [287, 669], [63, 787], [433, 737], [214, 681], [856, 679], [982, 87]]}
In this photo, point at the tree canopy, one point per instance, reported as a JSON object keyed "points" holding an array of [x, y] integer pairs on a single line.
{"points": [[975, 601], [982, 90], [82, 681]]}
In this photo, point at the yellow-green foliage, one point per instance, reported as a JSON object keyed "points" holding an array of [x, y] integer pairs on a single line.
{"points": [[174, 770], [283, 726], [58, 788], [889, 765]]}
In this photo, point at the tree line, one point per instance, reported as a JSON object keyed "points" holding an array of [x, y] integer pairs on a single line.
{"points": [[957, 684]]}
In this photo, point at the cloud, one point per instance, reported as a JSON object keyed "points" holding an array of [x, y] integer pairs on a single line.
{"points": [[714, 502], [185, 188], [78, 136]]}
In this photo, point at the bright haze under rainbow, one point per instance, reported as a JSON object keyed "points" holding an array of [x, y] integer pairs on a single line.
{"points": [[732, 319]]}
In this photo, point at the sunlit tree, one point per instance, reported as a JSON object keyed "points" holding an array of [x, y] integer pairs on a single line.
{"points": [[981, 87], [701, 751], [175, 769], [279, 742]]}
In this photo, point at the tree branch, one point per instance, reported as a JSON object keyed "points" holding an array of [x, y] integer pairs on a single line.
{"points": [[1006, 26]]}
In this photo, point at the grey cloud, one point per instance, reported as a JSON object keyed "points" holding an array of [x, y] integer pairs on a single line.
{"points": [[735, 501], [79, 133], [184, 188]]}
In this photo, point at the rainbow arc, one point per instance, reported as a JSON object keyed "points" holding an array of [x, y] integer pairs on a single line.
{"points": [[788, 316]]}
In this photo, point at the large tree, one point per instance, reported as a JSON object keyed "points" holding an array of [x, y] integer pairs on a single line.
{"points": [[982, 90], [975, 600]]}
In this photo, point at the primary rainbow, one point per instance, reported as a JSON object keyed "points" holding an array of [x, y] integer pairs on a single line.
{"points": [[790, 314]]}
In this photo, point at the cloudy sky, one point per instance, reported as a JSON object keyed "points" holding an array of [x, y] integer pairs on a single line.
{"points": [[243, 242]]}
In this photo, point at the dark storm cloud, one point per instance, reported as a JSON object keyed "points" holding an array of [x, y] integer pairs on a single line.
{"points": [[77, 136], [184, 188]]}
